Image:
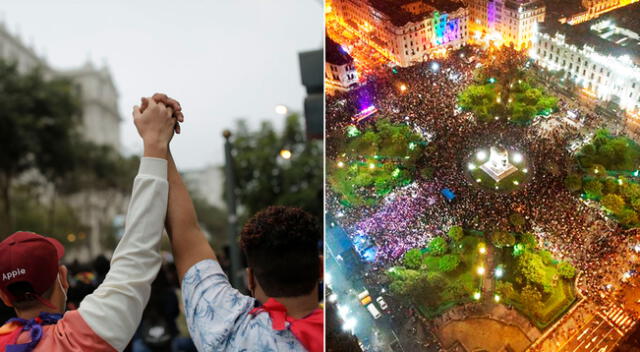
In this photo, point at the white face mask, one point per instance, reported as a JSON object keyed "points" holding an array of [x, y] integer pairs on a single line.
{"points": [[64, 292]]}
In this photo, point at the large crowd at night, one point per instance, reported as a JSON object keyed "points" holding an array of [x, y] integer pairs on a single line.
{"points": [[410, 216]]}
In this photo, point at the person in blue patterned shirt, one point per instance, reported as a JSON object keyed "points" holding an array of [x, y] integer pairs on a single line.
{"points": [[285, 268]]}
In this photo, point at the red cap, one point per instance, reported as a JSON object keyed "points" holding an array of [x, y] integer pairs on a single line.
{"points": [[32, 258]]}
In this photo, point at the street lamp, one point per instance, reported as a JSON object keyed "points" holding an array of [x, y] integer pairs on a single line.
{"points": [[517, 158], [231, 209], [281, 109], [285, 154]]}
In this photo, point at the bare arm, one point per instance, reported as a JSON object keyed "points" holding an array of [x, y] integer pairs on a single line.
{"points": [[187, 240]]}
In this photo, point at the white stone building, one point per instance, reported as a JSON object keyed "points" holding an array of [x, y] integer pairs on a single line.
{"points": [[406, 31], [602, 56], [100, 124], [208, 182], [100, 116], [339, 70], [510, 22]]}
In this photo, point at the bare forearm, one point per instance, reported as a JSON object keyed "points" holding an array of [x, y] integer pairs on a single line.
{"points": [[187, 240]]}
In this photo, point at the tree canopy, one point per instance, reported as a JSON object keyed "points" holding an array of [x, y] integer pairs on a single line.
{"points": [[263, 178], [39, 119], [375, 161], [613, 153], [455, 233]]}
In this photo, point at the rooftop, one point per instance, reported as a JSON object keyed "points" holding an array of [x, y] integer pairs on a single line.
{"points": [[335, 54], [403, 11], [524, 4], [616, 33], [559, 9]]}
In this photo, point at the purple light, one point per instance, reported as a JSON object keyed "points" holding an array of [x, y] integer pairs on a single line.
{"points": [[368, 109], [365, 113]]}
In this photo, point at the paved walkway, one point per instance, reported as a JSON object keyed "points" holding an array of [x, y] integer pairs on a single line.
{"points": [[504, 323], [482, 334]]}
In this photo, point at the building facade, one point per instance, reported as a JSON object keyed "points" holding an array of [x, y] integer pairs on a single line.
{"points": [[339, 69], [592, 9], [509, 22], [100, 116], [406, 31], [599, 56], [99, 97], [208, 182]]}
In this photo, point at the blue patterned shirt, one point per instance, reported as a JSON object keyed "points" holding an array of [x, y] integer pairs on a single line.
{"points": [[218, 315]]}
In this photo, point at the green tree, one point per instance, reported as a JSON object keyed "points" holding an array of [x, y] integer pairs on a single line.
{"points": [[438, 246], [610, 185], [38, 119], [448, 262], [531, 298], [264, 178], [630, 191], [613, 203], [412, 258], [502, 239], [573, 182], [532, 267], [456, 233], [505, 289], [566, 270], [593, 188], [628, 217], [528, 240], [372, 164]]}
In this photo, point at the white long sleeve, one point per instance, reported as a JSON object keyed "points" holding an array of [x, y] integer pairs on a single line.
{"points": [[114, 310]]}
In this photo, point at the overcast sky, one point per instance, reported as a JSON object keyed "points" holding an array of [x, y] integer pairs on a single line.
{"points": [[222, 59]]}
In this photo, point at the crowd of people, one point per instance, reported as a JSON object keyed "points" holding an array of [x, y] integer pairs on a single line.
{"points": [[164, 313], [572, 229]]}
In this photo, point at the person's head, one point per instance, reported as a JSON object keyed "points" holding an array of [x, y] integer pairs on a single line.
{"points": [[31, 277], [281, 248]]}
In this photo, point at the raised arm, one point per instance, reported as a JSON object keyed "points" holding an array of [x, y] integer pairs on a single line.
{"points": [[187, 240], [114, 310]]}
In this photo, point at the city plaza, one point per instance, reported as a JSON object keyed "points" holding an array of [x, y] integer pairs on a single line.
{"points": [[503, 181]]}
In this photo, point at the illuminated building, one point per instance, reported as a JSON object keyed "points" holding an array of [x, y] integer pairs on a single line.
{"points": [[405, 31], [578, 11], [505, 21], [340, 73], [601, 56]]}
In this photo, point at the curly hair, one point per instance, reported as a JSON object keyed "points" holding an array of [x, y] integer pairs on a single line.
{"points": [[281, 245]]}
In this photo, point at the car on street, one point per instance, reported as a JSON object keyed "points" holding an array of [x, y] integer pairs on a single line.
{"points": [[383, 305], [374, 311], [364, 297]]}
